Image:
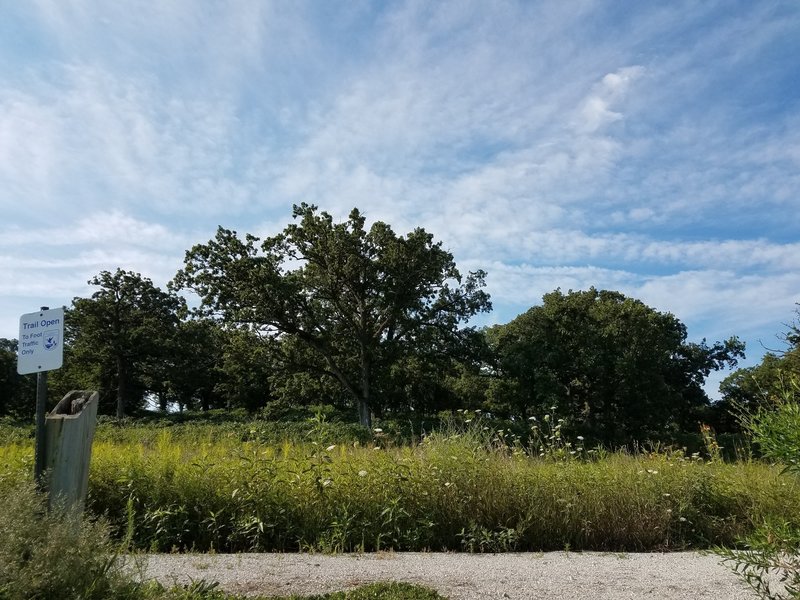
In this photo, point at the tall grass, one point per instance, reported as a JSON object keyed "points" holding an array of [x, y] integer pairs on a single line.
{"points": [[463, 489], [56, 555], [450, 493]]}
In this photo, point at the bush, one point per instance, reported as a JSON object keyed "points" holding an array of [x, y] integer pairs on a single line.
{"points": [[54, 556], [770, 559]]}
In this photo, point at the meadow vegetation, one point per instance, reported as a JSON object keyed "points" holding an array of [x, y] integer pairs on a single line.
{"points": [[467, 487], [59, 555]]}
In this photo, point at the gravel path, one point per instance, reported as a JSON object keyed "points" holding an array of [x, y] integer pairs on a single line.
{"points": [[552, 575]]}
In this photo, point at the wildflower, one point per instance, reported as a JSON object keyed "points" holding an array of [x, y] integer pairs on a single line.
{"points": [[362, 473], [580, 437], [531, 418], [331, 447], [377, 448], [666, 495], [447, 484], [553, 407], [326, 482], [652, 471], [468, 421], [682, 519], [378, 430]]}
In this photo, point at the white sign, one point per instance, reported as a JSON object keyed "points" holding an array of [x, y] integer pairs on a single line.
{"points": [[41, 341]]}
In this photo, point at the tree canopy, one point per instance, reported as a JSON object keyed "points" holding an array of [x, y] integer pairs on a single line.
{"points": [[121, 340], [357, 316], [752, 388], [616, 369], [17, 392], [346, 302]]}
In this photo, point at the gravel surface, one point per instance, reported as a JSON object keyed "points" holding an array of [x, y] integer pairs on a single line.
{"points": [[552, 575]]}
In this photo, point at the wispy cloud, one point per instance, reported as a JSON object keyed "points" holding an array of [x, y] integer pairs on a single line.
{"points": [[651, 149]]}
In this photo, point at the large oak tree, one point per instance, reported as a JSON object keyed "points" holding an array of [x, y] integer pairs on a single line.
{"points": [[122, 339], [617, 369], [349, 302]]}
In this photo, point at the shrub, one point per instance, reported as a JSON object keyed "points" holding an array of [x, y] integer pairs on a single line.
{"points": [[770, 559], [54, 556]]}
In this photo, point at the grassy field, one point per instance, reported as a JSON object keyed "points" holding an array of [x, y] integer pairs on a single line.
{"points": [[202, 487]]}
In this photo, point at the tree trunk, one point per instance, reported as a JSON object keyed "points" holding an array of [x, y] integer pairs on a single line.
{"points": [[162, 402], [120, 387], [364, 413]]}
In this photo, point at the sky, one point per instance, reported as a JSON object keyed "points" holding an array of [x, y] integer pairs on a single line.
{"points": [[647, 147]]}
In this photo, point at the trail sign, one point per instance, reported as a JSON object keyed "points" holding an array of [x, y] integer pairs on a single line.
{"points": [[41, 341]]}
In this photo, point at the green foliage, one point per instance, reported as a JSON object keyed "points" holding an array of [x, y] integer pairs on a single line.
{"points": [[55, 556], [120, 341], [58, 555], [342, 302], [619, 370], [190, 377], [745, 390], [378, 591], [17, 392], [375, 591], [770, 559], [769, 563], [13, 431]]}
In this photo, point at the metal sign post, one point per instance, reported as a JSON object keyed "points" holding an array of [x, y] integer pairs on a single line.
{"points": [[41, 407], [40, 350]]}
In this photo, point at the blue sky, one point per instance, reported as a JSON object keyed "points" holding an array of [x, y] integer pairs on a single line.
{"points": [[651, 148]]}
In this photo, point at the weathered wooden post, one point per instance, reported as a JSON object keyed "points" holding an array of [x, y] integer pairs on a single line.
{"points": [[69, 432]]}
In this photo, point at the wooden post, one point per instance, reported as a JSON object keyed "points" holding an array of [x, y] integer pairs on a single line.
{"points": [[70, 432]]}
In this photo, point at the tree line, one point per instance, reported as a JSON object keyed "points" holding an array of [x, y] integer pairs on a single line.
{"points": [[367, 320]]}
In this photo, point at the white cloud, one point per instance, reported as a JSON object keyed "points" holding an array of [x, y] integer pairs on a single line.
{"points": [[94, 140], [596, 110], [109, 228], [552, 144]]}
